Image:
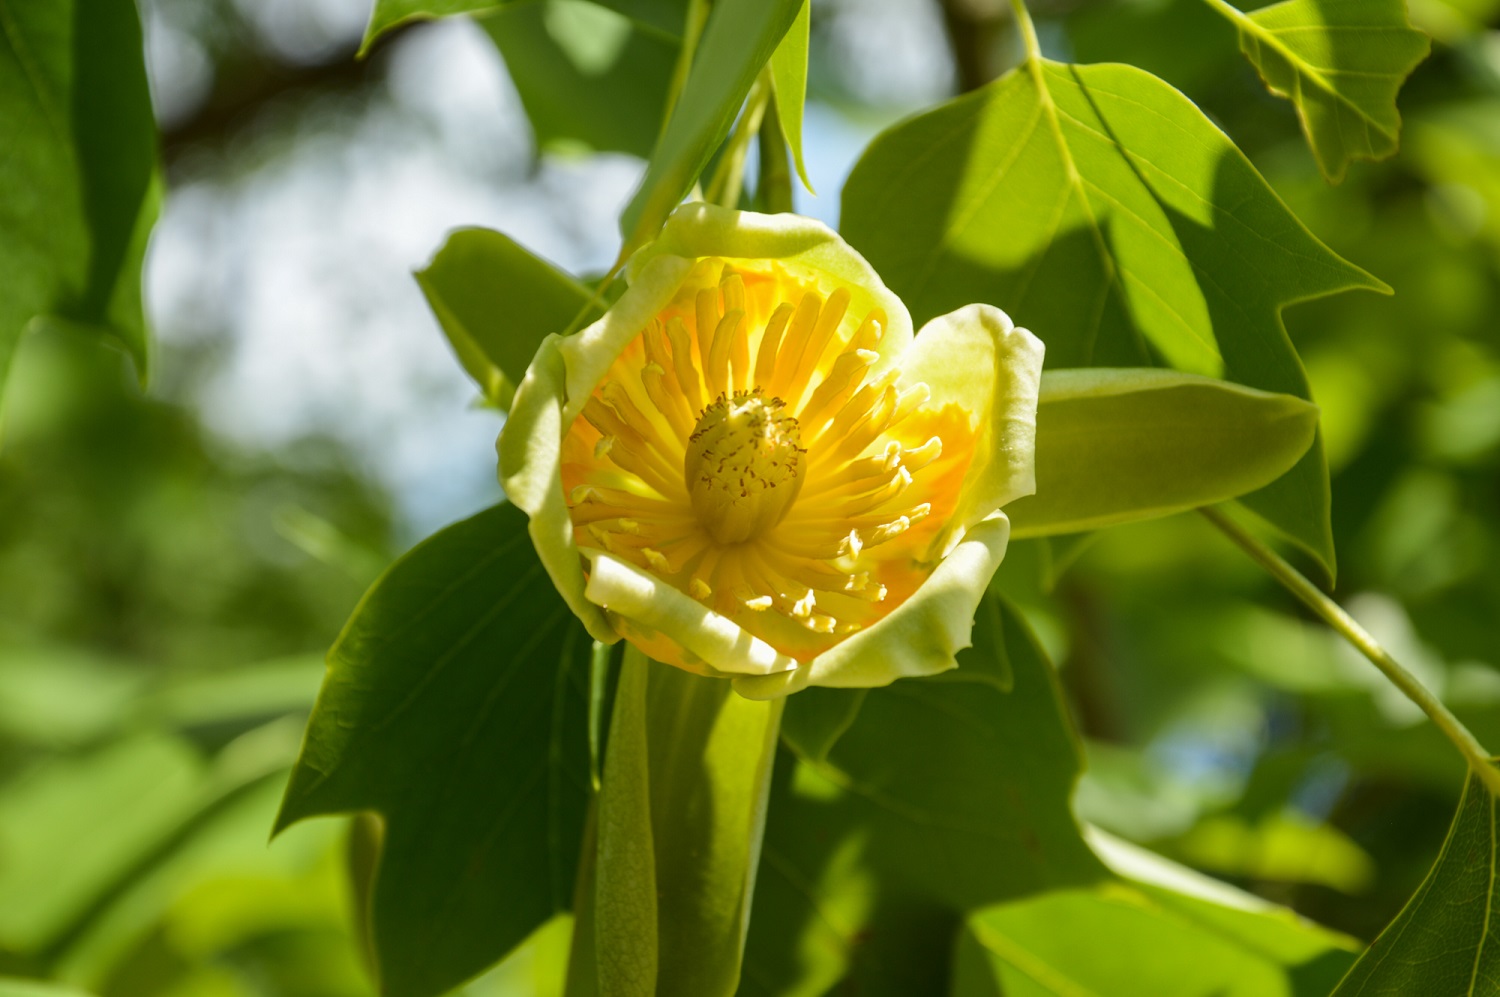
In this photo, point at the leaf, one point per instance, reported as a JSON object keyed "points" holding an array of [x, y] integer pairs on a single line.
{"points": [[664, 17], [455, 706], [388, 14], [1342, 62], [1128, 940], [1119, 445], [585, 74], [77, 174], [1440, 943], [681, 815], [10, 987], [789, 79], [1103, 211], [903, 807], [56, 861], [737, 41], [496, 302]]}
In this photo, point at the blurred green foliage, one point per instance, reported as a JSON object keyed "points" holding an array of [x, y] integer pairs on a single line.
{"points": [[165, 599]]}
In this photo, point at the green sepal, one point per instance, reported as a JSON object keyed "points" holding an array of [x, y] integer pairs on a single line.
{"points": [[1116, 445]]}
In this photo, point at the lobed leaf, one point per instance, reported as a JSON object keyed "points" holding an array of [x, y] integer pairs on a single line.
{"points": [[1341, 62], [1439, 945], [496, 302], [1102, 210], [78, 192], [455, 706], [1114, 446]]}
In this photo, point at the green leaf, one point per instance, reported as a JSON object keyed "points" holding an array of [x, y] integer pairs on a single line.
{"points": [[1130, 940], [585, 74], [1119, 445], [455, 706], [1439, 945], [1103, 211], [1342, 62], [77, 178], [737, 41], [388, 14], [56, 861], [37, 988], [906, 806], [496, 302], [663, 17], [789, 79], [681, 815]]}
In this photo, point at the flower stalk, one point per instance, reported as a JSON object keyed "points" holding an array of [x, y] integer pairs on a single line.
{"points": [[1478, 758]]}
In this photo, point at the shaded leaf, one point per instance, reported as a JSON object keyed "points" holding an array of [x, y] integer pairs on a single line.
{"points": [[585, 74], [1443, 942], [1103, 211], [663, 17], [1342, 62], [77, 170], [496, 302], [904, 807], [737, 41], [1119, 445], [455, 706]]}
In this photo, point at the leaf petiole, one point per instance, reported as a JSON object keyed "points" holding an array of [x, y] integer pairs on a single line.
{"points": [[729, 179], [1333, 614], [1027, 29]]}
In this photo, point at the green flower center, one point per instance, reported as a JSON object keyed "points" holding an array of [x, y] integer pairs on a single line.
{"points": [[744, 465]]}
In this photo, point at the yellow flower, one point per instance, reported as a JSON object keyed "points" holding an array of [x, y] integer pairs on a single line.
{"points": [[749, 467]]}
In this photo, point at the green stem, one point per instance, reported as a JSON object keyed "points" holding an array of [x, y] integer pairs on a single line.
{"points": [[1333, 614], [1028, 30], [729, 178], [775, 164]]}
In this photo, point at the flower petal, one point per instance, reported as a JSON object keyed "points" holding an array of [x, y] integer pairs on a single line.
{"points": [[530, 448], [977, 359], [922, 636], [649, 602], [699, 230]]}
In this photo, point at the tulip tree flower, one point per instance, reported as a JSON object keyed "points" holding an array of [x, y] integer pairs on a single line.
{"points": [[750, 467]]}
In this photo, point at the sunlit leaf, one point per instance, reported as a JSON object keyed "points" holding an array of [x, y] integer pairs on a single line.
{"points": [[496, 302], [77, 189], [55, 861], [1118, 445], [737, 41], [789, 76], [455, 707], [37, 988], [1342, 62], [1104, 212], [1130, 940], [1443, 944], [586, 75]]}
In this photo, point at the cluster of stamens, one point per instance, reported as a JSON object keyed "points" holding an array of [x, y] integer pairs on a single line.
{"points": [[755, 468]]}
